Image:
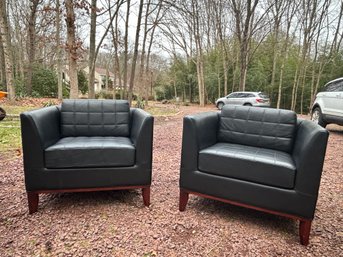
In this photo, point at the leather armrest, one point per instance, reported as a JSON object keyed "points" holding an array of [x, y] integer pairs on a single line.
{"points": [[142, 136], [308, 154], [199, 132], [39, 129]]}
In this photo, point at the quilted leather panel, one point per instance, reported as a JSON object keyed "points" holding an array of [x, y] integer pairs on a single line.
{"points": [[255, 164], [260, 127], [95, 118], [82, 152]]}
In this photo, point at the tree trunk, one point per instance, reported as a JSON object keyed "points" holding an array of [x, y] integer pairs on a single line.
{"points": [[143, 79], [225, 68], [147, 67], [135, 54], [72, 49], [126, 48], [116, 59], [91, 60], [7, 48], [59, 52], [2, 64], [31, 35]]}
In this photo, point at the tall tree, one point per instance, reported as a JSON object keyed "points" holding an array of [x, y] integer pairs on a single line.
{"points": [[31, 35], [91, 60], [2, 64], [59, 52], [244, 18], [126, 47], [72, 47], [135, 53], [7, 48]]}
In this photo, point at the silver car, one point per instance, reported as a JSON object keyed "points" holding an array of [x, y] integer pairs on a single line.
{"points": [[244, 98], [328, 105]]}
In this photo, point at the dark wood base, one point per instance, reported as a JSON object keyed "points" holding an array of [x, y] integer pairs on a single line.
{"points": [[304, 231], [33, 196], [33, 199], [304, 227], [146, 196], [183, 199]]}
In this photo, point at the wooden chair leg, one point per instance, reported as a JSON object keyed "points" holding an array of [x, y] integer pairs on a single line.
{"points": [[304, 231], [183, 200], [146, 196], [33, 199]]}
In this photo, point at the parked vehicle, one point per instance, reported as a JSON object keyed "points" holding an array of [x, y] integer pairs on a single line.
{"points": [[328, 105], [244, 98]]}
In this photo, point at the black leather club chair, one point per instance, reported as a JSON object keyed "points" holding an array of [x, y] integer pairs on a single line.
{"points": [[86, 145], [259, 158]]}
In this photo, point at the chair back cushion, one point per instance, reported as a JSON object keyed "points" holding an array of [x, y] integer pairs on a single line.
{"points": [[82, 117], [259, 127]]}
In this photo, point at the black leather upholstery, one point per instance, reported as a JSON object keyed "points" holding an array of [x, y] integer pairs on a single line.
{"points": [[53, 161], [261, 127], [81, 152], [272, 161], [95, 118], [255, 164]]}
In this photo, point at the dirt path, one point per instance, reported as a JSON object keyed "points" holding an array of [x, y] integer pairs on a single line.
{"points": [[117, 223]]}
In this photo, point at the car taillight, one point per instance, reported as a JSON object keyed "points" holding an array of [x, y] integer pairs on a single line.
{"points": [[259, 100]]}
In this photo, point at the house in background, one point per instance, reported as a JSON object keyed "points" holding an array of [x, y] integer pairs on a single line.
{"points": [[103, 79]]}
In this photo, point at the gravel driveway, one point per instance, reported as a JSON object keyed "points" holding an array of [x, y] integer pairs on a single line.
{"points": [[117, 223]]}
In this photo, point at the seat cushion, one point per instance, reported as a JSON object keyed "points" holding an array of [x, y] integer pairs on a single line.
{"points": [[255, 164], [82, 152], [260, 127], [82, 117]]}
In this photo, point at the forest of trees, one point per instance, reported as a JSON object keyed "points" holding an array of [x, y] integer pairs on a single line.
{"points": [[192, 50]]}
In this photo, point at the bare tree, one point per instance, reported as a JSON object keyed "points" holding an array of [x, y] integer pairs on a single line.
{"points": [[72, 47], [91, 60], [126, 47], [244, 15], [7, 48], [135, 53], [290, 12], [59, 52], [2, 63], [31, 35]]}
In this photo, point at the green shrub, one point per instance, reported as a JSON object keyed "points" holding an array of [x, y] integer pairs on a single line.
{"points": [[82, 81], [140, 103], [103, 94], [44, 82], [20, 89]]}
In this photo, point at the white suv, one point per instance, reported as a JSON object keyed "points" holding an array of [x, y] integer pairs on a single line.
{"points": [[328, 105], [244, 98]]}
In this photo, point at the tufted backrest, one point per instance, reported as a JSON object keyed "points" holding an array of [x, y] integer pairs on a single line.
{"points": [[95, 118], [260, 127]]}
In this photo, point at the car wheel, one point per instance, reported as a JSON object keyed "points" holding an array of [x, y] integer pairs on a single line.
{"points": [[247, 104], [317, 117], [220, 105], [2, 114]]}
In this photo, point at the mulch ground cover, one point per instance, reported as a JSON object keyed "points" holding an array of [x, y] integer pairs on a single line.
{"points": [[117, 223]]}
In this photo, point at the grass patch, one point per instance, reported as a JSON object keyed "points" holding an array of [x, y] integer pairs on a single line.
{"points": [[16, 110], [10, 135], [162, 111]]}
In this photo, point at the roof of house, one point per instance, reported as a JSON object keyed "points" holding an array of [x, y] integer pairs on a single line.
{"points": [[103, 72]]}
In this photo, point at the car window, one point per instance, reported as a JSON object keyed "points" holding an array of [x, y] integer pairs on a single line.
{"points": [[334, 86], [233, 95], [263, 95], [250, 95], [241, 95], [340, 87]]}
